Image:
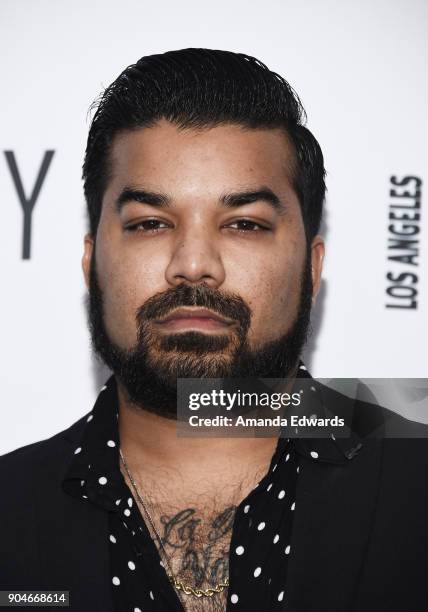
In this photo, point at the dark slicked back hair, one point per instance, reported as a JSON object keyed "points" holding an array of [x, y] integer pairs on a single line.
{"points": [[200, 88]]}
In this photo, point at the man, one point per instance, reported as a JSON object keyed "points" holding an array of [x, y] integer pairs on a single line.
{"points": [[203, 259]]}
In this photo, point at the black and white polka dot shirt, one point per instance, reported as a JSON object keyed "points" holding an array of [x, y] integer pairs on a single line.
{"points": [[261, 538]]}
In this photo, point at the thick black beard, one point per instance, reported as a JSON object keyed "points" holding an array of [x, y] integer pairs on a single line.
{"points": [[149, 371]]}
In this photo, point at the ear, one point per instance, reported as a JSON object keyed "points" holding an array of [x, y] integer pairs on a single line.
{"points": [[317, 258], [87, 257]]}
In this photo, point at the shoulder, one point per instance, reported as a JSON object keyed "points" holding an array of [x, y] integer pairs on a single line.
{"points": [[404, 442], [404, 457], [25, 466], [30, 495], [369, 419]]}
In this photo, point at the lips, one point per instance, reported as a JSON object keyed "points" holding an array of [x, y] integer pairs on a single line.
{"points": [[194, 314]]}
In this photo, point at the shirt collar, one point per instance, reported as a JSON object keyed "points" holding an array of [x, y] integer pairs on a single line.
{"points": [[322, 402], [94, 472]]}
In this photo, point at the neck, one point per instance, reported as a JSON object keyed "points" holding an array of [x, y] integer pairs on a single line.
{"points": [[150, 445]]}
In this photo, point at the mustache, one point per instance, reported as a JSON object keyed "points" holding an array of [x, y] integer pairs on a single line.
{"points": [[228, 305]]}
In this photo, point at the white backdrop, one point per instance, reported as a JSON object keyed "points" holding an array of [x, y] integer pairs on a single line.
{"points": [[360, 69]]}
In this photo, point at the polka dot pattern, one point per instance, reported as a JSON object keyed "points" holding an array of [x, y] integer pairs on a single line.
{"points": [[261, 539]]}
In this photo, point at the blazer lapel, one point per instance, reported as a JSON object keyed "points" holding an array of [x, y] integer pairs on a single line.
{"points": [[73, 541], [334, 513]]}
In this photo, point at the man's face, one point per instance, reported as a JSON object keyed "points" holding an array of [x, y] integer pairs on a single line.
{"points": [[218, 225]]}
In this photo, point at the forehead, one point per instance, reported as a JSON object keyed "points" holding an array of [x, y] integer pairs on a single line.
{"points": [[211, 158]]}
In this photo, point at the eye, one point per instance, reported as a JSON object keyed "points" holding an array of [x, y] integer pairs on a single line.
{"points": [[147, 226], [247, 225]]}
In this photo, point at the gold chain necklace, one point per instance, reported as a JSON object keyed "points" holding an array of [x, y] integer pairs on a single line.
{"points": [[178, 584]]}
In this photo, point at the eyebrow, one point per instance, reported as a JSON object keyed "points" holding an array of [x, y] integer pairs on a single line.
{"points": [[263, 194], [131, 194], [230, 200]]}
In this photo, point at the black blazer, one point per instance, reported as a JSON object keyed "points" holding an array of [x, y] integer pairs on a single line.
{"points": [[359, 535]]}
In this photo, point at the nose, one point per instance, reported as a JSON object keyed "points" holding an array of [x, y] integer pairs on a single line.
{"points": [[196, 258]]}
